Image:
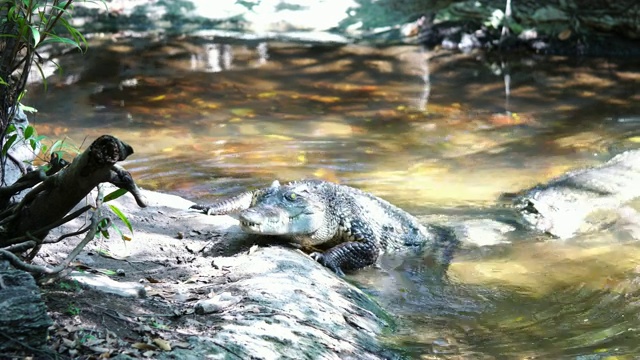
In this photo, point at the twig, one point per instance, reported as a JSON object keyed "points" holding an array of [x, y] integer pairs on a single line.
{"points": [[55, 224], [19, 164], [50, 354], [33, 252], [123, 179], [28, 180], [20, 247], [16, 262], [81, 231]]}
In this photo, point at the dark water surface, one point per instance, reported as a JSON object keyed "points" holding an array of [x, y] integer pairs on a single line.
{"points": [[435, 133]]}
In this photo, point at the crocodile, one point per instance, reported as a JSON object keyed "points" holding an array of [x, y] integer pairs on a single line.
{"points": [[353, 227], [575, 202]]}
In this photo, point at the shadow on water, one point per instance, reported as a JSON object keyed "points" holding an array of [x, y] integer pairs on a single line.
{"points": [[435, 133]]}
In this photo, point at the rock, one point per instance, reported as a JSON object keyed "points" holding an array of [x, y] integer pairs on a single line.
{"points": [[217, 304], [283, 304], [24, 321], [105, 284], [483, 232]]}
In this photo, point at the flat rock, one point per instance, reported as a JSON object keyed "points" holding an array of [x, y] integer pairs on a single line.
{"points": [[105, 284]]}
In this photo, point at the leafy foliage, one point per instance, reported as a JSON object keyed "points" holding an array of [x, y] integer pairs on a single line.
{"points": [[26, 26]]}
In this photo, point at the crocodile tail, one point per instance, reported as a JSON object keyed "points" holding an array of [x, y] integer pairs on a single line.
{"points": [[236, 203], [227, 206]]}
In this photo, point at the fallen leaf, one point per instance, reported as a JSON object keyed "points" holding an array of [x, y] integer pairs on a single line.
{"points": [[564, 35], [242, 112], [324, 99], [158, 98], [192, 279], [266, 95], [278, 137], [162, 344], [143, 346]]}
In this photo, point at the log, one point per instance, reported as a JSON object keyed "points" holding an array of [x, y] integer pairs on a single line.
{"points": [[24, 321], [52, 199]]}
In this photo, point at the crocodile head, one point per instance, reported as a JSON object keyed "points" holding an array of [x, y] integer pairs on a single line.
{"points": [[292, 209], [553, 211]]}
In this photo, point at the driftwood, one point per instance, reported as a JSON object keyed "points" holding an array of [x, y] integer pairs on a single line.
{"points": [[24, 321], [54, 195]]}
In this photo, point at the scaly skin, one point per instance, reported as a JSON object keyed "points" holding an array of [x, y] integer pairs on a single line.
{"points": [[353, 226], [562, 206]]}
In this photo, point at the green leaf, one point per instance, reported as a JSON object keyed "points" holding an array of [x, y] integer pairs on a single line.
{"points": [[8, 144], [108, 272], [36, 35], [28, 109], [55, 39], [55, 146], [22, 94], [122, 217], [44, 78], [117, 229], [34, 144], [114, 195], [28, 132]]}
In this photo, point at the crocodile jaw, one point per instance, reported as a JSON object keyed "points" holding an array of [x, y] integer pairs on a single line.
{"points": [[275, 221]]}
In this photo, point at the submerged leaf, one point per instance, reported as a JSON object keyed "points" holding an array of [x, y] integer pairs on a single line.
{"points": [[242, 112]]}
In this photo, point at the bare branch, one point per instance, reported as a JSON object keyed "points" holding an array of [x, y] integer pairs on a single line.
{"points": [[36, 269]]}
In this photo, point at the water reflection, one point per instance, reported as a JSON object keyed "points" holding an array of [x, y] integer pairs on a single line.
{"points": [[442, 135]]}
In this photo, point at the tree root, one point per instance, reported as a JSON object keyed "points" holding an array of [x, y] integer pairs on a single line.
{"points": [[93, 229]]}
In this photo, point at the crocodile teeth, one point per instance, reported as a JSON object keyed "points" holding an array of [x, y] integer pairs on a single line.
{"points": [[247, 223]]}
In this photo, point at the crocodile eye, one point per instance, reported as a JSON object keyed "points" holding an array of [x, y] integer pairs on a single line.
{"points": [[529, 207], [291, 196]]}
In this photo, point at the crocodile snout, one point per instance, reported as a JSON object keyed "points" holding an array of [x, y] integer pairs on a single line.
{"points": [[263, 220]]}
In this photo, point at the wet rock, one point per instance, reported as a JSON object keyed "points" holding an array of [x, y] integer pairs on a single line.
{"points": [[583, 200], [483, 232]]}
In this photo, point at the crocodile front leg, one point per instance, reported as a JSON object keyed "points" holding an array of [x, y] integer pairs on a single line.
{"points": [[351, 255]]}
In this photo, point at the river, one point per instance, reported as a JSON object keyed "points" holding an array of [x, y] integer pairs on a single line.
{"points": [[440, 134]]}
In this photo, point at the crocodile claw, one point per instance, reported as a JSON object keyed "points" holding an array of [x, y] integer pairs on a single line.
{"points": [[327, 262], [201, 208]]}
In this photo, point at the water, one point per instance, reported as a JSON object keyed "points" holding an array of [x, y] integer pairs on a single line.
{"points": [[442, 135]]}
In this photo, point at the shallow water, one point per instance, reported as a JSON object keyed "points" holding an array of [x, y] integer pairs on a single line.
{"points": [[434, 133]]}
